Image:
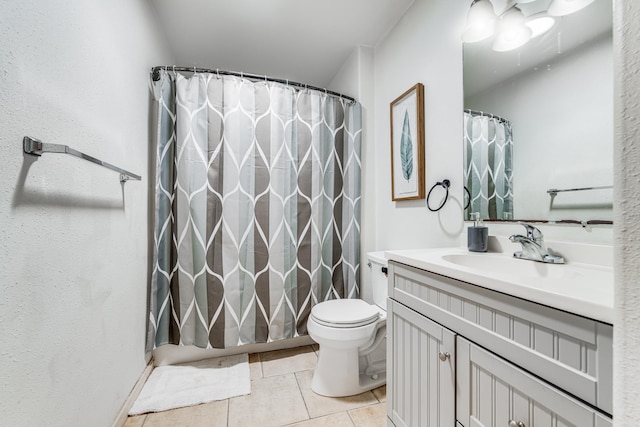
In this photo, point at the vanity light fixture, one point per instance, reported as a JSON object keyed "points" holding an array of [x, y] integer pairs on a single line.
{"points": [[481, 22], [510, 27], [540, 23], [566, 7], [512, 31]]}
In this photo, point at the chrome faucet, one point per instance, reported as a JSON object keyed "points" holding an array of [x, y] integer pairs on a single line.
{"points": [[533, 246]]}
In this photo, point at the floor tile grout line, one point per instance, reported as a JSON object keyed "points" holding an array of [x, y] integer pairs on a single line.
{"points": [[306, 408], [351, 418], [228, 411], [260, 365]]}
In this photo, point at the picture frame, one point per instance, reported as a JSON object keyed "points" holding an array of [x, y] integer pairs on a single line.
{"points": [[407, 145]]}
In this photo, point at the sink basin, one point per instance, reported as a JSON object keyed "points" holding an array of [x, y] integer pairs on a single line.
{"points": [[580, 288], [512, 266]]}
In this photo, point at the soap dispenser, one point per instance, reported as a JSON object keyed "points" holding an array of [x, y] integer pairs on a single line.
{"points": [[477, 234]]}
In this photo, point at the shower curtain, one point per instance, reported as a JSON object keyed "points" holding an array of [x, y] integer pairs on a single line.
{"points": [[257, 209], [488, 154]]}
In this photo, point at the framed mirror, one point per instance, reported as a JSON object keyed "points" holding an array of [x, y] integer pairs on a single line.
{"points": [[538, 120]]}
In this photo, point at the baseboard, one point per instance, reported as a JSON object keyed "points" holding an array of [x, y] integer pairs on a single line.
{"points": [[121, 418]]}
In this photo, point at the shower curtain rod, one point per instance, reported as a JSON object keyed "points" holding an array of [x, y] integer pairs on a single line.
{"points": [[155, 73], [493, 116]]}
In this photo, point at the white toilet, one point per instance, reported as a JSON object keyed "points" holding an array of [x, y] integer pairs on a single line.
{"points": [[352, 338]]}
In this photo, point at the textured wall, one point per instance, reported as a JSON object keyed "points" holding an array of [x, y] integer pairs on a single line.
{"points": [[73, 241], [627, 213]]}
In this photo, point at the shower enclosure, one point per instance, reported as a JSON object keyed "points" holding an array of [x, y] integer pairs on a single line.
{"points": [[257, 208]]}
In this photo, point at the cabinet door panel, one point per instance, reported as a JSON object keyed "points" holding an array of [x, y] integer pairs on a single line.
{"points": [[420, 386], [492, 393]]}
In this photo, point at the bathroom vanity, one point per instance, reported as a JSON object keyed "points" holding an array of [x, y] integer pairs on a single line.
{"points": [[480, 340]]}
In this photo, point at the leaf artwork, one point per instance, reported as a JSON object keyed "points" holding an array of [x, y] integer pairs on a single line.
{"points": [[406, 149]]}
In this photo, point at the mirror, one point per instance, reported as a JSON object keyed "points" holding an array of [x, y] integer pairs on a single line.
{"points": [[540, 118]]}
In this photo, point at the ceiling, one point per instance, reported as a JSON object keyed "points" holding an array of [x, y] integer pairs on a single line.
{"points": [[301, 40], [484, 68]]}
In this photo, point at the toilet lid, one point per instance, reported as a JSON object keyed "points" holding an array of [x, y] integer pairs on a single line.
{"points": [[345, 313]]}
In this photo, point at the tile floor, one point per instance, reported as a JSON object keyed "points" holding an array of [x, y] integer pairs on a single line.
{"points": [[280, 396]]}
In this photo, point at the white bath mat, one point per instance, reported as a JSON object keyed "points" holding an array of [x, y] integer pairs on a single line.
{"points": [[188, 384]]}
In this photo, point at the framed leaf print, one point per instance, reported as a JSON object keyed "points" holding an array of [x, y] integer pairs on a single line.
{"points": [[407, 145]]}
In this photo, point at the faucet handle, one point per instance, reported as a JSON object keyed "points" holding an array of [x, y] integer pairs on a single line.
{"points": [[533, 233]]}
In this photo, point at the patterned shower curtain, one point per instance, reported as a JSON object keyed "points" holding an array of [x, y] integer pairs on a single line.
{"points": [[488, 154], [257, 209]]}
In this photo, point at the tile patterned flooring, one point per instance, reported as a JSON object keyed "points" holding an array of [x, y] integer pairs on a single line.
{"points": [[280, 396]]}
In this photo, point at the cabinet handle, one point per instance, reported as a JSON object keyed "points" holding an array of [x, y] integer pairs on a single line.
{"points": [[444, 356], [513, 423]]}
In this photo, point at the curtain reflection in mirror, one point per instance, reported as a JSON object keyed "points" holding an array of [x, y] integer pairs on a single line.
{"points": [[488, 154]]}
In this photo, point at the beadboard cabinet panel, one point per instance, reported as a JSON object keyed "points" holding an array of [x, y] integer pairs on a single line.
{"points": [[494, 393], [421, 370], [568, 350]]}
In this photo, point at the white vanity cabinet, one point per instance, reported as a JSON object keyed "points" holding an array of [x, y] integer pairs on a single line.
{"points": [[494, 392], [421, 378], [463, 355]]}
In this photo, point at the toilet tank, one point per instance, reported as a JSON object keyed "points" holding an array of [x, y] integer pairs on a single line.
{"points": [[378, 261]]}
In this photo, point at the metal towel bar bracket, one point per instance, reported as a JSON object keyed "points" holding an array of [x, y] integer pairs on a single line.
{"points": [[36, 147]]}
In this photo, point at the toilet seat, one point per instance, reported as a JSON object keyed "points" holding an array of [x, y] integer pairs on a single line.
{"points": [[345, 313]]}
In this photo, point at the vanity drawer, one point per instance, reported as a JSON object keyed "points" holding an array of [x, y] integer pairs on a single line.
{"points": [[571, 351], [492, 392]]}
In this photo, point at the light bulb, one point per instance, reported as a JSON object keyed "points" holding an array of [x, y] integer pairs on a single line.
{"points": [[566, 7], [512, 31], [481, 22], [540, 23]]}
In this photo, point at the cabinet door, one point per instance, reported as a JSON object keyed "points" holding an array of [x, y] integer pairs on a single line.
{"points": [[421, 370], [494, 393]]}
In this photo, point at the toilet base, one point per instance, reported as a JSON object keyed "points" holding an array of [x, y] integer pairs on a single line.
{"points": [[337, 374]]}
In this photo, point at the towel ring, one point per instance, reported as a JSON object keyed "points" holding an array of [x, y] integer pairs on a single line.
{"points": [[444, 184]]}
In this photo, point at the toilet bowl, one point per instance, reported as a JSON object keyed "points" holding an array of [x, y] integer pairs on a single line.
{"points": [[351, 334]]}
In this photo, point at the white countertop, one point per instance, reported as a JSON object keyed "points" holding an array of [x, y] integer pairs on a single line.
{"points": [[578, 288]]}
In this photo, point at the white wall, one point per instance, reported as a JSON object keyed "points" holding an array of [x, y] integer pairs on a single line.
{"points": [[626, 337], [562, 118], [424, 47], [73, 241]]}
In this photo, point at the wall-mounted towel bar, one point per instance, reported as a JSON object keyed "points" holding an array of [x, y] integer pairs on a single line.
{"points": [[37, 148], [554, 191]]}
